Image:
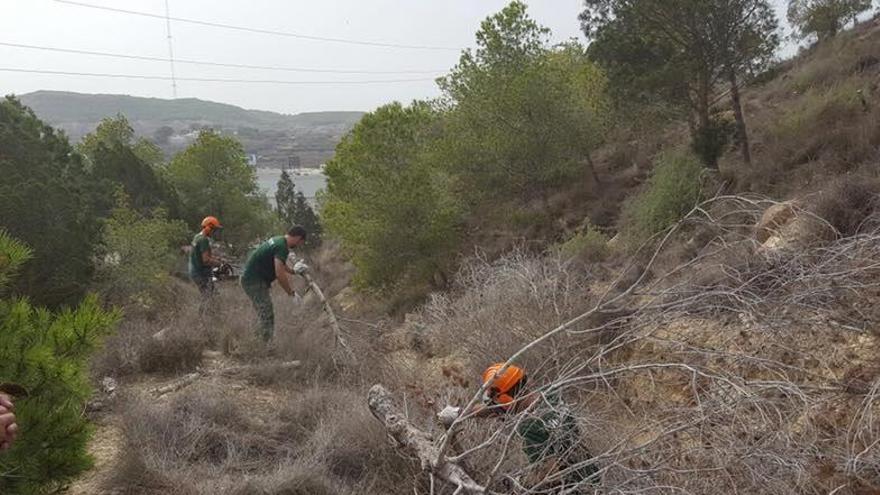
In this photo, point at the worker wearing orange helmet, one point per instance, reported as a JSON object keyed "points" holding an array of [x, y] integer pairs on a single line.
{"points": [[202, 259], [550, 434]]}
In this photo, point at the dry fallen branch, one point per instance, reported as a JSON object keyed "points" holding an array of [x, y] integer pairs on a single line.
{"points": [[418, 443], [191, 378], [725, 366]]}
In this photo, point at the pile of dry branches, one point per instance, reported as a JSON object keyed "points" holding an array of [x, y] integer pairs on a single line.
{"points": [[722, 366]]}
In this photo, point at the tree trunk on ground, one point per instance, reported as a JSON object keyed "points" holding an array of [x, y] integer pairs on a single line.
{"points": [[415, 442], [742, 136]]}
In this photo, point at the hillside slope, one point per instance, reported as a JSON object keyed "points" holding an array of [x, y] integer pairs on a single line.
{"points": [[273, 136], [737, 355]]}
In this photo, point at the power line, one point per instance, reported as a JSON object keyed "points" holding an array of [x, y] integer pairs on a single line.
{"points": [[213, 64], [170, 49], [259, 30], [206, 79]]}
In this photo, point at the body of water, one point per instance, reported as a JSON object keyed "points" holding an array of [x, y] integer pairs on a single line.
{"points": [[267, 178]]}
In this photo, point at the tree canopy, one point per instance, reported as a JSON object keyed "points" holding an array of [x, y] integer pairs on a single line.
{"points": [[390, 207], [48, 201], [522, 116], [823, 18], [212, 177], [679, 50]]}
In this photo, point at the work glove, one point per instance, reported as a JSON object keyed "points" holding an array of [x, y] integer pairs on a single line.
{"points": [[300, 268], [448, 415]]}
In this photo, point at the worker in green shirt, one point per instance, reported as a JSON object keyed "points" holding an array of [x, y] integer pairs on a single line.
{"points": [[263, 266], [551, 439], [202, 260]]}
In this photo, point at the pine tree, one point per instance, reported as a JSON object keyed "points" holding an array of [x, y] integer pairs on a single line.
{"points": [[285, 199], [47, 353], [304, 215], [293, 209], [48, 201]]}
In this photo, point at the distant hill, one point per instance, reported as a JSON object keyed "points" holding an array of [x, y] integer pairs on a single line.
{"points": [[273, 137]]}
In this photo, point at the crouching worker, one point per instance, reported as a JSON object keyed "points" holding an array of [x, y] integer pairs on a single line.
{"points": [[263, 266], [550, 435]]}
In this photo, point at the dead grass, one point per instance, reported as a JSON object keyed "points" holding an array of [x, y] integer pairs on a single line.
{"points": [[318, 440], [135, 349], [849, 203]]}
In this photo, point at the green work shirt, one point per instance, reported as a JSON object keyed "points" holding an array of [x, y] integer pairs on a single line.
{"points": [[260, 265], [200, 244], [552, 433], [555, 433]]}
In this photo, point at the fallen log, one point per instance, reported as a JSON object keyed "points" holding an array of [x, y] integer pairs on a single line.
{"points": [[418, 443], [176, 384], [190, 378]]}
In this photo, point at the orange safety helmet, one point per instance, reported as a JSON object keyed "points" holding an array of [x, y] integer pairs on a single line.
{"points": [[504, 386], [210, 223]]}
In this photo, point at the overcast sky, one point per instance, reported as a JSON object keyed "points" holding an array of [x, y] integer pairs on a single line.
{"points": [[435, 23]]}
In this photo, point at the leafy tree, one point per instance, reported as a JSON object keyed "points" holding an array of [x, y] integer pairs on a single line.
{"points": [[117, 131], [294, 209], [47, 200], [745, 35], [385, 201], [213, 178], [824, 18], [137, 253], [116, 158], [47, 354], [523, 117], [118, 165], [681, 49]]}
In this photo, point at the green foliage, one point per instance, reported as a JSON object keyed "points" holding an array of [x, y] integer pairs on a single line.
{"points": [[117, 132], [672, 191], [518, 118], [138, 251], [13, 254], [823, 18], [118, 165], [709, 142], [213, 178], [391, 209], [294, 209], [522, 116], [48, 201], [677, 51], [47, 354], [589, 244]]}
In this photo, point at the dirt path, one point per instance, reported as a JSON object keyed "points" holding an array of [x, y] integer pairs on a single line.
{"points": [[106, 448]]}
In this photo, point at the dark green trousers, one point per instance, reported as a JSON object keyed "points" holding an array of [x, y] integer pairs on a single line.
{"points": [[258, 292]]}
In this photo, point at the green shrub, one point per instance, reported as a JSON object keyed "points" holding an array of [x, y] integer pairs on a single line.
{"points": [[590, 244], [709, 142], [672, 191], [138, 253], [48, 354]]}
